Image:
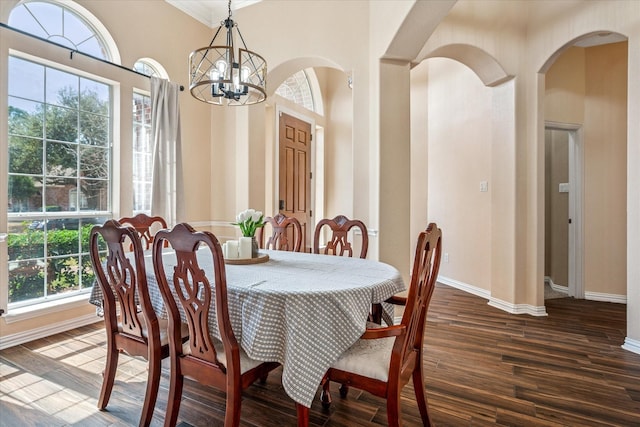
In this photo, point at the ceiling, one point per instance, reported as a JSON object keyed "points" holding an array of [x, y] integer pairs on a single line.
{"points": [[210, 12]]}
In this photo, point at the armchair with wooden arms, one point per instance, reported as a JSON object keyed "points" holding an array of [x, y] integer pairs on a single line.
{"points": [[384, 359], [188, 288], [130, 321], [286, 233]]}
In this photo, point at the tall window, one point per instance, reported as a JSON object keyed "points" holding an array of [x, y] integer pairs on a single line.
{"points": [[142, 145], [59, 158], [297, 89], [142, 154]]}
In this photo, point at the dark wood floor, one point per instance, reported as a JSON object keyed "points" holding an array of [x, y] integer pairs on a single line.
{"points": [[482, 367]]}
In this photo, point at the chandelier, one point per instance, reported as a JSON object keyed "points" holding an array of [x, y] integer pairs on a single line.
{"points": [[222, 75]]}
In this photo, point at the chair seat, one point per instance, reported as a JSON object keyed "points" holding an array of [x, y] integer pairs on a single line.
{"points": [[164, 331], [246, 363], [369, 358]]}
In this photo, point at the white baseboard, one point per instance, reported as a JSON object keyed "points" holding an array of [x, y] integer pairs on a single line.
{"points": [[556, 287], [598, 296], [47, 330], [480, 292], [631, 345], [494, 302]]}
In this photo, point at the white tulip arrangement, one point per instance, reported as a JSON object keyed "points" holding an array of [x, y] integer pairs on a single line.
{"points": [[249, 220]]}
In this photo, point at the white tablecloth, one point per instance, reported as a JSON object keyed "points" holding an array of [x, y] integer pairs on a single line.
{"points": [[301, 310]]}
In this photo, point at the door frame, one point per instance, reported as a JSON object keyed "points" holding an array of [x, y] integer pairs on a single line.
{"points": [[276, 169], [576, 205]]}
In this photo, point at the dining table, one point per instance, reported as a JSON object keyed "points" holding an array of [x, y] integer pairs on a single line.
{"points": [[299, 309]]}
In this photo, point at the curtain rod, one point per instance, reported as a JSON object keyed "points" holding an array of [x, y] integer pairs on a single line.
{"points": [[72, 51]]}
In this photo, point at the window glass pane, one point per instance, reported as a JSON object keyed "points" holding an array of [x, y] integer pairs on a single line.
{"points": [[62, 159], [297, 89], [94, 96], [21, 18], [61, 124], [48, 15], [25, 193], [57, 193], [62, 272], [74, 28], [62, 88], [27, 79], [26, 280], [25, 117], [25, 155], [95, 195], [94, 129], [25, 239], [94, 162]]}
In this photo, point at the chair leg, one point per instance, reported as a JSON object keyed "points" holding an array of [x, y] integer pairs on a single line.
{"points": [[151, 394], [176, 383], [109, 375], [421, 397], [232, 412], [325, 396], [302, 413], [263, 379], [393, 407], [344, 390]]}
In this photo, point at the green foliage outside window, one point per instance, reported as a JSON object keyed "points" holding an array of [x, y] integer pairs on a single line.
{"points": [[64, 269]]}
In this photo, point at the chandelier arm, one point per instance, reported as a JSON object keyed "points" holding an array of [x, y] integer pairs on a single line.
{"points": [[205, 54], [250, 56]]}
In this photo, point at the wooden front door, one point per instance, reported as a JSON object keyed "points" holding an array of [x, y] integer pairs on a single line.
{"points": [[295, 173]]}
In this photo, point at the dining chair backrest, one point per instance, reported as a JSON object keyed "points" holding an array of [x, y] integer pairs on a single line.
{"points": [[339, 243], [131, 323], [426, 264], [146, 226], [382, 365], [286, 233], [191, 287]]}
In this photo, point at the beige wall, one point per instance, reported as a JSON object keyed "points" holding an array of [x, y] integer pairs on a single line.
{"points": [[605, 184], [459, 138]]}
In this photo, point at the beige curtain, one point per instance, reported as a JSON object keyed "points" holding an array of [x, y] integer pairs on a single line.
{"points": [[167, 185]]}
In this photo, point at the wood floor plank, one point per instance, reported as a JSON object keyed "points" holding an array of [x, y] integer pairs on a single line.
{"points": [[482, 367]]}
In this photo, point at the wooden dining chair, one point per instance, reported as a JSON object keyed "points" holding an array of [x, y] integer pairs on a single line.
{"points": [[286, 233], [339, 243], [130, 321], [384, 358], [146, 226], [188, 288]]}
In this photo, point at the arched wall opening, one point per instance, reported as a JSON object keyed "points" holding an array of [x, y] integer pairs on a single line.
{"points": [[586, 86], [462, 124]]}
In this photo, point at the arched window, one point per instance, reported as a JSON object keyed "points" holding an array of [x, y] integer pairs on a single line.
{"points": [[151, 68], [60, 135], [297, 89], [61, 23]]}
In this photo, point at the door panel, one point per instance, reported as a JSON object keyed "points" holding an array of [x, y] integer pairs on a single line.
{"points": [[295, 177]]}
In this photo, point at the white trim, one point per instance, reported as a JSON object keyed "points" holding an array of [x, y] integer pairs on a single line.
{"points": [[18, 314], [599, 296], [47, 330], [557, 288], [631, 345], [518, 308], [494, 302], [465, 287]]}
